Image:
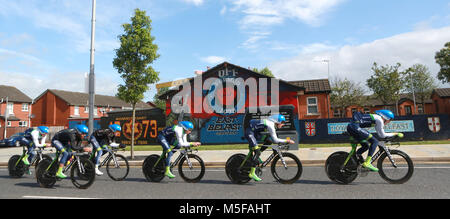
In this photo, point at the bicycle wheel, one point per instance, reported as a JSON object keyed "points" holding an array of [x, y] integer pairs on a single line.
{"points": [[119, 170], [83, 178], [44, 157], [18, 170], [234, 171], [151, 172], [333, 168], [395, 175], [289, 174], [45, 174], [193, 173]]}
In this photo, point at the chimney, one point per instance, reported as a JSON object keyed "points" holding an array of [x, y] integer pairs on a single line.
{"points": [[198, 72]]}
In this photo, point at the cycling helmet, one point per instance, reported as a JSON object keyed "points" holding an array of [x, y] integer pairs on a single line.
{"points": [[186, 125], [43, 129], [83, 129], [115, 127], [277, 118], [385, 114]]}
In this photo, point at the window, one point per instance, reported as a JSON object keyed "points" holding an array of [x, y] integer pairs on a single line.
{"points": [[86, 109], [366, 110], [354, 110], [337, 113], [95, 111], [313, 108], [76, 110], [11, 108], [9, 123], [420, 109], [408, 111], [23, 123], [25, 107]]}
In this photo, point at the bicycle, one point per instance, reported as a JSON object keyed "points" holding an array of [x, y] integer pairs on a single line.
{"points": [[17, 167], [190, 166], [82, 170], [395, 166], [117, 165], [285, 171]]}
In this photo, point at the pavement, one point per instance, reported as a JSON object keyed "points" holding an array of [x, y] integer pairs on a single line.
{"points": [[308, 156]]}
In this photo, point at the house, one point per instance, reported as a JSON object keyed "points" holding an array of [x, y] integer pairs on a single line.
{"points": [[441, 100], [17, 105], [314, 102], [371, 103], [58, 107]]}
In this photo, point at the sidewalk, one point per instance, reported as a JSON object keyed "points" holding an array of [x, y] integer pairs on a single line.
{"points": [[308, 156]]}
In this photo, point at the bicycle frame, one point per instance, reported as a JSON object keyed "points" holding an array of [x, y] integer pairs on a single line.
{"points": [[24, 153], [69, 166], [276, 150], [382, 148], [183, 153]]}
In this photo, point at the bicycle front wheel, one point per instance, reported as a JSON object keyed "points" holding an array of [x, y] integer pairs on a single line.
{"points": [[399, 174], [289, 171], [191, 170], [118, 168], [83, 173], [45, 174]]}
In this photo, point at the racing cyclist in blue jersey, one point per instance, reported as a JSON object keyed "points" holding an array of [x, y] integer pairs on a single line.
{"points": [[33, 138], [357, 131], [64, 140], [100, 139], [253, 134], [177, 136]]}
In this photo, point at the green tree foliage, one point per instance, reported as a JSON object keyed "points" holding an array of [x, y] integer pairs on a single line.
{"points": [[443, 59], [137, 51], [265, 71], [418, 79], [345, 93], [386, 83]]}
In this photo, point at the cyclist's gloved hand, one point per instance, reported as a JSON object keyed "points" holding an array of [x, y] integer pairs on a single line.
{"points": [[400, 135]]}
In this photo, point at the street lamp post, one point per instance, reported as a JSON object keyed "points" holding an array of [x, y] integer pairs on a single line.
{"points": [[91, 73]]}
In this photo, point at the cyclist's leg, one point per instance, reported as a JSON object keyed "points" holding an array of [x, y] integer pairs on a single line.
{"points": [[366, 139], [65, 155], [30, 146], [99, 152], [253, 145], [168, 152]]}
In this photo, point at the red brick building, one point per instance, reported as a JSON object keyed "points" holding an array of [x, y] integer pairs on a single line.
{"points": [[18, 107], [314, 102], [441, 100], [57, 107]]}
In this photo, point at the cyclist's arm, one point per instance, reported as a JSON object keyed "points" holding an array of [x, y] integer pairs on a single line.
{"points": [[273, 133], [35, 136], [181, 137], [379, 127]]}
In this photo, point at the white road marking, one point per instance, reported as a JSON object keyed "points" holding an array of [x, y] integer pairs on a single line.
{"points": [[52, 197]]}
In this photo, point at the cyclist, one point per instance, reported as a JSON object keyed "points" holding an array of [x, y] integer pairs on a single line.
{"points": [[253, 133], [33, 138], [100, 139], [357, 131], [64, 140], [177, 136]]}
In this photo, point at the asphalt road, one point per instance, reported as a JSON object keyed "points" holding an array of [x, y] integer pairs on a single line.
{"points": [[428, 181]]}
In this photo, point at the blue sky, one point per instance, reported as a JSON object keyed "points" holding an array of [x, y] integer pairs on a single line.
{"points": [[45, 43]]}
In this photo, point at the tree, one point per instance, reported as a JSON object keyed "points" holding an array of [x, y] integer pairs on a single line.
{"points": [[386, 83], [418, 79], [443, 59], [265, 71], [345, 93], [137, 51]]}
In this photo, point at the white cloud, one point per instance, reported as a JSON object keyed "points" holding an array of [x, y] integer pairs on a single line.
{"points": [[213, 59], [355, 61], [195, 2]]}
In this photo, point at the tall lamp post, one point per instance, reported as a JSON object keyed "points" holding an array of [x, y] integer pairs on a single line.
{"points": [[91, 73]]}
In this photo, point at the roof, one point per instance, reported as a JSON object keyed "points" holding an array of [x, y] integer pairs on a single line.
{"points": [[372, 100], [172, 92], [442, 92], [82, 99], [13, 94], [314, 86]]}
